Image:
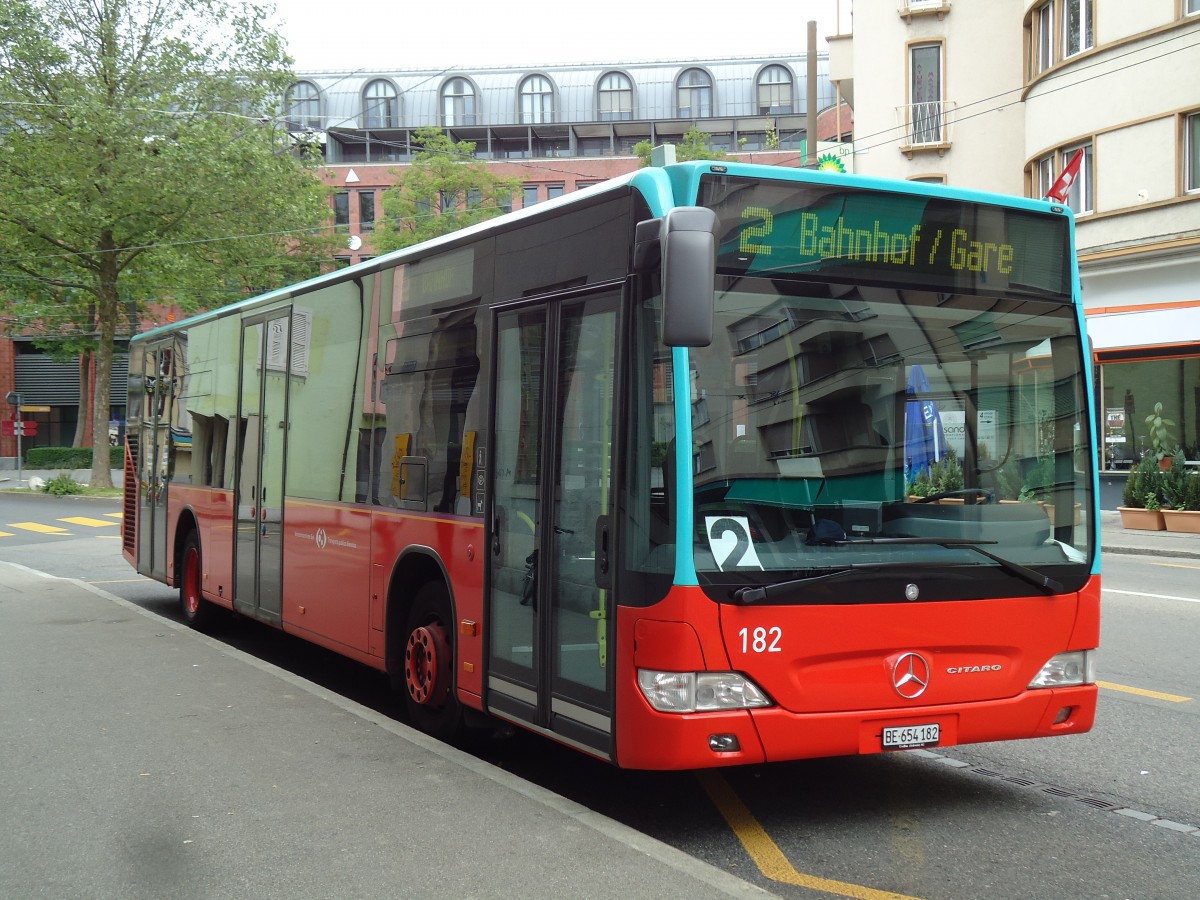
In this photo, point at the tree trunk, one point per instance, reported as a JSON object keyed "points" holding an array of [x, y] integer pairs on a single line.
{"points": [[85, 396], [107, 313]]}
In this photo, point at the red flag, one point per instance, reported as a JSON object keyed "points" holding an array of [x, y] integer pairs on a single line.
{"points": [[1062, 186]]}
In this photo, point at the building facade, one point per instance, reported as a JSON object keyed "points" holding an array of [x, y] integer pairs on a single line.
{"points": [[1000, 97], [556, 129]]}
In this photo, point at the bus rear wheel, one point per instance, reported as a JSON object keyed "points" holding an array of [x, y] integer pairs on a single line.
{"points": [[197, 612], [429, 694]]}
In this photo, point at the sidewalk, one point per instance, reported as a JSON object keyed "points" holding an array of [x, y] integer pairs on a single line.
{"points": [[1115, 539], [142, 759], [9, 477]]}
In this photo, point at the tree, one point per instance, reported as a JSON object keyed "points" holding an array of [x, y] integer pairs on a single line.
{"points": [[443, 190], [693, 145], [140, 163]]}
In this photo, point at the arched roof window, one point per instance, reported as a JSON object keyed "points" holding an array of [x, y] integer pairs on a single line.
{"points": [[303, 107], [381, 106], [614, 97], [694, 94], [775, 91], [537, 100], [458, 102]]}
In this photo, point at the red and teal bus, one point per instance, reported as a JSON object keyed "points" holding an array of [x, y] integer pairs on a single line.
{"points": [[710, 464]]}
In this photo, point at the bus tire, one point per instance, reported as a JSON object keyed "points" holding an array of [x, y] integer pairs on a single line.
{"points": [[197, 612], [429, 694]]}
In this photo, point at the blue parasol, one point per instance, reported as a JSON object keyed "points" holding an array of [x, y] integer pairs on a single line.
{"points": [[924, 440]]}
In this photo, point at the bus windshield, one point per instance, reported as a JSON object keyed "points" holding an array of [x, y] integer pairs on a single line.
{"points": [[830, 419]]}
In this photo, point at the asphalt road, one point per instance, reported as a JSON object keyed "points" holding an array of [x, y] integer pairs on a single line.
{"points": [[1107, 814]]}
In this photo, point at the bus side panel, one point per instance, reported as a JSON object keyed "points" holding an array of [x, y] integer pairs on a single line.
{"points": [[327, 574], [213, 510], [460, 551]]}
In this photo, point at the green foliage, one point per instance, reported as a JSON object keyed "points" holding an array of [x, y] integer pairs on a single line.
{"points": [[773, 137], [922, 485], [693, 145], [1007, 481], [1189, 496], [61, 485], [1131, 496], [1161, 440], [146, 164], [69, 457], [1145, 480], [1173, 480], [444, 189], [943, 476], [1151, 502], [1039, 480], [946, 474]]}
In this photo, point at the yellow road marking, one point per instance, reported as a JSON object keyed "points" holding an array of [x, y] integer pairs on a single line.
{"points": [[1142, 692], [766, 853], [39, 528], [116, 515], [90, 523], [6, 534], [1176, 566]]}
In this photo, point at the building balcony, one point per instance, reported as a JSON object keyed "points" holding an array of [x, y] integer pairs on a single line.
{"points": [[910, 8]]}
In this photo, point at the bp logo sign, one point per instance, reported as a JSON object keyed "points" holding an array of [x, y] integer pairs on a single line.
{"points": [[827, 162]]}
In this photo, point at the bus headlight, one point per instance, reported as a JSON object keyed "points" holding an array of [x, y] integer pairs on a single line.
{"points": [[1067, 670], [686, 692]]}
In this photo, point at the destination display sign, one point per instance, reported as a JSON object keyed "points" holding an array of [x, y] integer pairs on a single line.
{"points": [[780, 228]]}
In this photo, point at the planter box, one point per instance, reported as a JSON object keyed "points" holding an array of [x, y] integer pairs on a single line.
{"points": [[1078, 517], [1182, 520], [1142, 519]]}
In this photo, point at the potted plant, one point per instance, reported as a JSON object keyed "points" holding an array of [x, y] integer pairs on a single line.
{"points": [[1038, 480], [1172, 480], [921, 486], [1038, 487], [1141, 507], [1162, 442], [1008, 483], [947, 477], [1186, 513]]}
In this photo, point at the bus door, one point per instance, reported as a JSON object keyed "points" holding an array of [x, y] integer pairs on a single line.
{"points": [[154, 460], [262, 440], [550, 606]]}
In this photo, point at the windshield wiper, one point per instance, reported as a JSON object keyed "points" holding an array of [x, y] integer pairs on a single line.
{"points": [[749, 594], [1032, 576]]}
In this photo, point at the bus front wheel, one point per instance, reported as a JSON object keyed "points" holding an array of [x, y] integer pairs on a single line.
{"points": [[197, 612], [429, 665]]}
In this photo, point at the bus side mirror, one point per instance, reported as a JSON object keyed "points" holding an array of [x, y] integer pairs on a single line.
{"points": [[688, 246]]}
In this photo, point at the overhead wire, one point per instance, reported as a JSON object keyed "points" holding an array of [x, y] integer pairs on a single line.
{"points": [[540, 166]]}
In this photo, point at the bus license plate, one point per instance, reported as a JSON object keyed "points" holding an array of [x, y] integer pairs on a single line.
{"points": [[902, 737]]}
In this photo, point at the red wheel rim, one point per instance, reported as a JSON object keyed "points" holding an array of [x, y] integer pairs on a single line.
{"points": [[191, 581], [423, 660]]}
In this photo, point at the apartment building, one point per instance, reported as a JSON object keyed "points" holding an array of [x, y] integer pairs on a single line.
{"points": [[999, 96]]}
